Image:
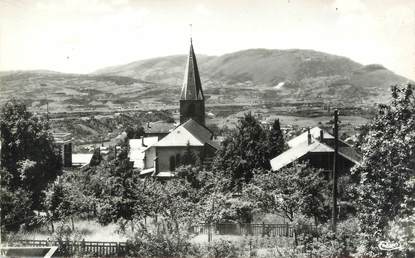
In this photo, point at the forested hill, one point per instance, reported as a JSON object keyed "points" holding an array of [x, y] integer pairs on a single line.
{"points": [[244, 77]]}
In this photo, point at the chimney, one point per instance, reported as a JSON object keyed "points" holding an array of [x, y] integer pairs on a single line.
{"points": [[321, 135], [308, 136], [148, 125]]}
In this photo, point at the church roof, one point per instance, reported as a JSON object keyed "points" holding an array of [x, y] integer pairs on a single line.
{"points": [[192, 86], [189, 132]]}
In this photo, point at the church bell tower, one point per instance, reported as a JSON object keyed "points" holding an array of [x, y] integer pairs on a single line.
{"points": [[192, 101]]}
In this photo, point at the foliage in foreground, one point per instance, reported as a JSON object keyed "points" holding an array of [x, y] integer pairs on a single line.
{"points": [[153, 244], [29, 161], [386, 189], [290, 191]]}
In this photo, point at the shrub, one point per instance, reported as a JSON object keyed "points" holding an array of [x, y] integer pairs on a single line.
{"points": [[222, 249], [147, 244], [343, 243]]}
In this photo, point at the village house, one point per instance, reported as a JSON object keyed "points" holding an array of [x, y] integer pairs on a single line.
{"points": [[158, 129], [316, 146]]}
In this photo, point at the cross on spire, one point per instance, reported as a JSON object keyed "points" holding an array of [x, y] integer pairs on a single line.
{"points": [[190, 27]]}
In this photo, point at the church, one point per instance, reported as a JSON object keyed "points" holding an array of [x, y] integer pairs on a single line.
{"points": [[161, 156]]}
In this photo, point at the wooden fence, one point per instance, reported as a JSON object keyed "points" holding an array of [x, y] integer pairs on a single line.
{"points": [[70, 248], [269, 230]]}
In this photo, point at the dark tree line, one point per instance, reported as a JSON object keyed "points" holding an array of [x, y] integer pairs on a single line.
{"points": [[29, 161]]}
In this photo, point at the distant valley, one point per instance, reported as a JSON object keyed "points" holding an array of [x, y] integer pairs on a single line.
{"points": [[300, 87]]}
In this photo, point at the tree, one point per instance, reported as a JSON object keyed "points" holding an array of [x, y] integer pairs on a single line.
{"points": [[275, 140], [15, 205], [386, 173], [28, 151], [135, 132], [289, 192], [116, 187], [189, 157], [96, 158], [68, 198], [243, 151]]}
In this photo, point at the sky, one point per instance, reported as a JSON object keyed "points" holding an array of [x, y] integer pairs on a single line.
{"points": [[81, 36]]}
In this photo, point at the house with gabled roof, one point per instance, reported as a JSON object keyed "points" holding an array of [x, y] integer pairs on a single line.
{"points": [[316, 146]]}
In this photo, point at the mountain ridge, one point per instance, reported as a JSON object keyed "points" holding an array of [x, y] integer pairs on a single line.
{"points": [[246, 77]]}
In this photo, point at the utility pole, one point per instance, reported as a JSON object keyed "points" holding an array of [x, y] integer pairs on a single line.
{"points": [[335, 170]]}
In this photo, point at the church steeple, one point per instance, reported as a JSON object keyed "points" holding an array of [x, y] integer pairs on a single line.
{"points": [[192, 100], [192, 86]]}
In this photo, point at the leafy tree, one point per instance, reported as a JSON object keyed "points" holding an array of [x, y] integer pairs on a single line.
{"points": [[15, 205], [116, 188], [28, 152], [189, 156], [362, 134], [243, 151], [68, 198], [135, 132], [210, 192], [177, 203], [386, 173], [96, 158], [289, 192], [276, 141]]}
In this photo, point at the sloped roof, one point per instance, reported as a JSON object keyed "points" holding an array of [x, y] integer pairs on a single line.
{"points": [[299, 147], [297, 152], [192, 86], [81, 159], [159, 127], [315, 133], [189, 132], [136, 150]]}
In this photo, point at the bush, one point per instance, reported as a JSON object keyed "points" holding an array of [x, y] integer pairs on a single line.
{"points": [[147, 244], [343, 243], [64, 233], [221, 249]]}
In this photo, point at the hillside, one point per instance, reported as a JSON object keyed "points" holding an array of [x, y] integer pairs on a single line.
{"points": [[254, 76]]}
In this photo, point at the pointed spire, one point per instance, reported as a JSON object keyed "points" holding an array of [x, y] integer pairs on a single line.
{"points": [[192, 86]]}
